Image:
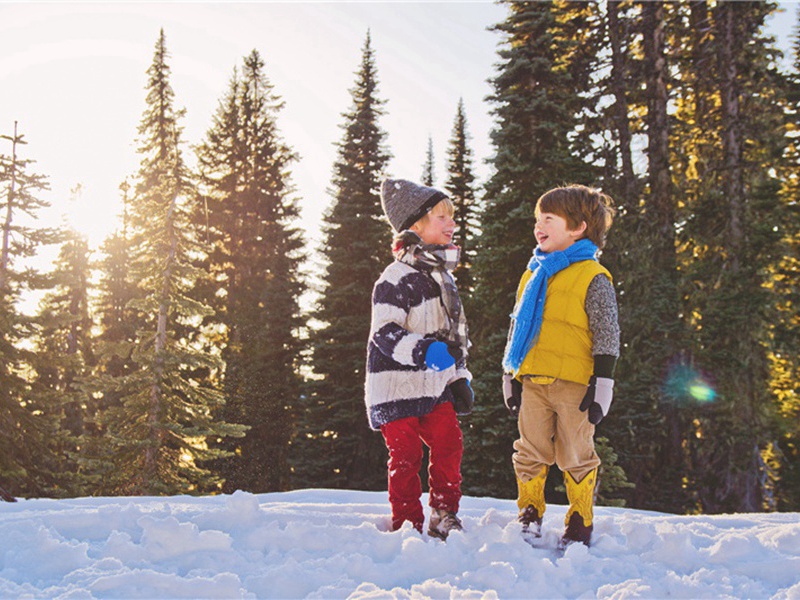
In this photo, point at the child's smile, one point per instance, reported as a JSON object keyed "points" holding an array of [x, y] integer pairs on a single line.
{"points": [[553, 234], [438, 228]]}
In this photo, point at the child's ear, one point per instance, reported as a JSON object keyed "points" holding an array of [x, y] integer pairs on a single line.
{"points": [[579, 230]]}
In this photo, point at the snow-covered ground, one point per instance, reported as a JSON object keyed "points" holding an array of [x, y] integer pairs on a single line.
{"points": [[335, 544]]}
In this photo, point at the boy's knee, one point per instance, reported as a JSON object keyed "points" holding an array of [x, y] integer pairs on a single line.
{"points": [[448, 445], [447, 440], [402, 453]]}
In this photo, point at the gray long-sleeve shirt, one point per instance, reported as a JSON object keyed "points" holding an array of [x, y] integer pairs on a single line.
{"points": [[601, 308]]}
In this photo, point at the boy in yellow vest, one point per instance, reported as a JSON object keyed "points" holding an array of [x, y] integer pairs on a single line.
{"points": [[560, 357]]}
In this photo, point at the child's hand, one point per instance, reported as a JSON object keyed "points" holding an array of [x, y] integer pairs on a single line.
{"points": [[512, 394], [441, 356], [455, 351], [463, 396], [598, 398]]}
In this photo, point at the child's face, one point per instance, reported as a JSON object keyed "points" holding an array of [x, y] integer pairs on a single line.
{"points": [[553, 234], [438, 228]]}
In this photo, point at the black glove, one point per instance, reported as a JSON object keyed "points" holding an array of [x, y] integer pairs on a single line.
{"points": [[454, 348], [463, 396], [512, 394], [598, 398]]}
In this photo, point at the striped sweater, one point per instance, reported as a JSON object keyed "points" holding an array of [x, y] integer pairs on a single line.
{"points": [[407, 317]]}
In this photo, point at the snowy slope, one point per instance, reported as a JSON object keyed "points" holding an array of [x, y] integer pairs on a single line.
{"points": [[335, 544]]}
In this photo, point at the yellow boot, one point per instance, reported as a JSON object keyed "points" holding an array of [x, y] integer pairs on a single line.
{"points": [[581, 503], [531, 503]]}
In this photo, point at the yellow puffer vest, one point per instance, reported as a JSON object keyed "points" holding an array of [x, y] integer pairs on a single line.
{"points": [[564, 347]]}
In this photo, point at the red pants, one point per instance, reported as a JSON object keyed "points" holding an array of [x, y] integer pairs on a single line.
{"points": [[439, 431]]}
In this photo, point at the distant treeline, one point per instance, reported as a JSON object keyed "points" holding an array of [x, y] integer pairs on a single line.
{"points": [[182, 361]]}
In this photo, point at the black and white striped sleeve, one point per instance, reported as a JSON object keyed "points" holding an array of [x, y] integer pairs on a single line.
{"points": [[391, 302]]}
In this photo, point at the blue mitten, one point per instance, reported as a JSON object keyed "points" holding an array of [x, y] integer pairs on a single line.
{"points": [[438, 357]]}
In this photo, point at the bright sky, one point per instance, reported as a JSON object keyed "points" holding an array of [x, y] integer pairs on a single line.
{"points": [[73, 75]]}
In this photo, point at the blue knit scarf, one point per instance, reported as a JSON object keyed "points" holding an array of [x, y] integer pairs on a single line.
{"points": [[526, 320]]}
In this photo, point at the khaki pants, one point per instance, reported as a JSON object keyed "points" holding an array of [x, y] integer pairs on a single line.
{"points": [[553, 430]]}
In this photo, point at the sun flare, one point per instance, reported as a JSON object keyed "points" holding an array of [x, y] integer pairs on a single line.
{"points": [[89, 215]]}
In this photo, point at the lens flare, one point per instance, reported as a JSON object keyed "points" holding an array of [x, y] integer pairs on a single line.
{"points": [[702, 392], [686, 384]]}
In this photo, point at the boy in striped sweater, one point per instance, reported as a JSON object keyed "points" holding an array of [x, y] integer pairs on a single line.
{"points": [[417, 379]]}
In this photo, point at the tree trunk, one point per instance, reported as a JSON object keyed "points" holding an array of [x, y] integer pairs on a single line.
{"points": [[744, 385], [5, 257], [660, 223], [661, 212], [156, 391], [700, 25], [621, 104], [732, 133]]}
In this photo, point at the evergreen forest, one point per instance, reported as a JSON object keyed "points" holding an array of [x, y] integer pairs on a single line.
{"points": [[182, 358]]}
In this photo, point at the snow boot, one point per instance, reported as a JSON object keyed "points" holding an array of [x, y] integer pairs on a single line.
{"points": [[442, 522], [531, 504], [579, 517]]}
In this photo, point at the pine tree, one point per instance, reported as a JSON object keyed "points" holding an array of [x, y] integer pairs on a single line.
{"points": [[256, 287], [535, 101], [460, 187], [618, 111], [670, 260], [734, 232], [23, 431], [619, 176], [116, 288], [643, 250], [429, 168], [784, 318], [337, 448], [63, 359], [113, 344], [162, 428]]}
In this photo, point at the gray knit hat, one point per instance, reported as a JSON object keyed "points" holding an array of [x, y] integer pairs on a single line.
{"points": [[405, 202]]}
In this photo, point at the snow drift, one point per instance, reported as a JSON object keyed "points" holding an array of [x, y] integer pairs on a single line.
{"points": [[335, 544]]}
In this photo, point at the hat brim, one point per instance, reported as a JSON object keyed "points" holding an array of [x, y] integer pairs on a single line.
{"points": [[422, 210]]}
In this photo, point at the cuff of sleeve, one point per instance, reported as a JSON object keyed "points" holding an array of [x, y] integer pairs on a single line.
{"points": [[421, 350], [604, 365], [461, 374]]}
